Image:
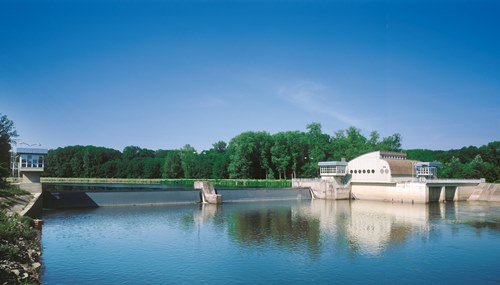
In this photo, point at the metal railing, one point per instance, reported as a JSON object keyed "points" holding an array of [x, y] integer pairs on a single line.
{"points": [[438, 181]]}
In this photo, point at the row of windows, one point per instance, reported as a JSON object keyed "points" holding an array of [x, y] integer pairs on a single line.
{"points": [[363, 171], [35, 161], [331, 170], [393, 157], [368, 171]]}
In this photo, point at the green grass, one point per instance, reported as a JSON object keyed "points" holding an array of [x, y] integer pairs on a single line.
{"points": [[237, 183], [13, 191]]}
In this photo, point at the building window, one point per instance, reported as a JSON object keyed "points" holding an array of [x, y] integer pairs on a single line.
{"points": [[373, 170], [381, 171], [351, 171], [387, 171], [32, 161]]}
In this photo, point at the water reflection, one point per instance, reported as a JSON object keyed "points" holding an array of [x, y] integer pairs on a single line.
{"points": [[273, 242], [361, 227]]}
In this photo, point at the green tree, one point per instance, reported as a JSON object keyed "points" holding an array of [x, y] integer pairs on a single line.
{"points": [[452, 169], [152, 168], [391, 143], [280, 154], [318, 149], [172, 165], [245, 154], [220, 160], [349, 144], [7, 133], [188, 161]]}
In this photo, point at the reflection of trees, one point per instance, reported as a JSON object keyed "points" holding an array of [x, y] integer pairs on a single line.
{"points": [[275, 225]]}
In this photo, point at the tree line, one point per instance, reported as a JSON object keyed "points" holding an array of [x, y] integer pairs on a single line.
{"points": [[249, 155], [468, 162], [260, 155]]}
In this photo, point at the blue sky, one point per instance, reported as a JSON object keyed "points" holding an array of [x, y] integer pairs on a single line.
{"points": [[162, 74]]}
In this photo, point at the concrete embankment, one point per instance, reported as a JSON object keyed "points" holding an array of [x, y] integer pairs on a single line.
{"points": [[28, 205], [486, 192]]}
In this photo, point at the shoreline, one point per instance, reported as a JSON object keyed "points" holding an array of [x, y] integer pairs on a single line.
{"points": [[20, 241]]}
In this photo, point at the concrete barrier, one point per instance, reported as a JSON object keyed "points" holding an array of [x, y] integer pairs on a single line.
{"points": [[486, 192], [88, 199], [34, 208], [328, 189]]}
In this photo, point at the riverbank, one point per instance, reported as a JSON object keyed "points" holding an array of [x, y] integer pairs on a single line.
{"points": [[19, 241], [237, 183]]}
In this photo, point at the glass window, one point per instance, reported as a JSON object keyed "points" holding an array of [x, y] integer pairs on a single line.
{"points": [[24, 160], [30, 161]]}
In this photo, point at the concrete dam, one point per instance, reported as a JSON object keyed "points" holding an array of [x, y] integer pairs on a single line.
{"points": [[85, 196]]}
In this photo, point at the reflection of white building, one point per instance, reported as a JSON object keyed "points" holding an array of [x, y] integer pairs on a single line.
{"points": [[369, 227], [373, 226]]}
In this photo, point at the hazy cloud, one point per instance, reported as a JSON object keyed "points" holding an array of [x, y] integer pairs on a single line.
{"points": [[316, 98]]}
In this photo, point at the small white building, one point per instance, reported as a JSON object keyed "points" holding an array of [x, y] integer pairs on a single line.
{"points": [[332, 168], [29, 164]]}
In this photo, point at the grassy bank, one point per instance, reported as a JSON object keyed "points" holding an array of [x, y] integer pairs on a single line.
{"points": [[177, 182]]}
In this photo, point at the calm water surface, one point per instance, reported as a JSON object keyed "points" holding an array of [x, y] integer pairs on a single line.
{"points": [[296, 242]]}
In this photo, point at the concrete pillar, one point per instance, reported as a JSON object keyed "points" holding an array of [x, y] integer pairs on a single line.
{"points": [[442, 195]]}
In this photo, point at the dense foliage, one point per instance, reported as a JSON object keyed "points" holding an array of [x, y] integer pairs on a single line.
{"points": [[249, 155], [467, 162], [7, 132]]}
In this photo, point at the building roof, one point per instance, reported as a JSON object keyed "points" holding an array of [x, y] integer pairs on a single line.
{"points": [[430, 164], [385, 153], [31, 151], [332, 163], [401, 167]]}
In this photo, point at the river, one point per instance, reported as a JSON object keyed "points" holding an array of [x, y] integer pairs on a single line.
{"points": [[274, 242]]}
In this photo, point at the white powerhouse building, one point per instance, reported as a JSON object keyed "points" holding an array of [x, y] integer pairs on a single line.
{"points": [[386, 176]]}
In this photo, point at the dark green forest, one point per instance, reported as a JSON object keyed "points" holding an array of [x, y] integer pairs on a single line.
{"points": [[260, 155]]}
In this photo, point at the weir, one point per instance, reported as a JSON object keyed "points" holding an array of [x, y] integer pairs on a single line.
{"points": [[208, 193], [59, 196]]}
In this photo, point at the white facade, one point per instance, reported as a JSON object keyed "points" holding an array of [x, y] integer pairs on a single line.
{"points": [[387, 176], [369, 167]]}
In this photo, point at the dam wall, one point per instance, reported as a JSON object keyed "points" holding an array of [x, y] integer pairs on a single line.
{"points": [[486, 192], [86, 199], [327, 189]]}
